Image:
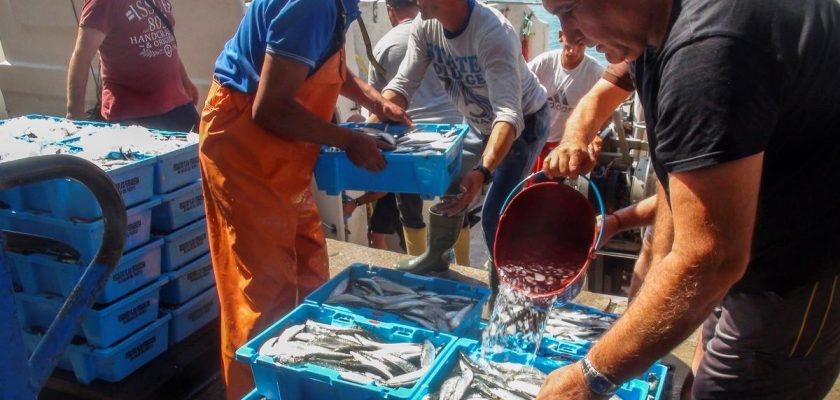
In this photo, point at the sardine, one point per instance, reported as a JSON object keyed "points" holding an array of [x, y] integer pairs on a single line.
{"points": [[407, 379]]}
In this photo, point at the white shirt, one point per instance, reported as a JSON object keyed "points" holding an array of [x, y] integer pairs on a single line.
{"points": [[564, 87], [481, 68]]}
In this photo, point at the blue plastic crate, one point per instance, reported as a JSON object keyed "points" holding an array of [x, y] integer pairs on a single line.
{"points": [[102, 326], [85, 237], [176, 168], [633, 390], [469, 327], [427, 174], [313, 382], [192, 315], [656, 378], [184, 245], [171, 170], [12, 199], [43, 273], [185, 283], [68, 199], [114, 363], [178, 208]]}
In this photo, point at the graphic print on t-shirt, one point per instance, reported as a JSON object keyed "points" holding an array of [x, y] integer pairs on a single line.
{"points": [[559, 102], [156, 40], [458, 74]]}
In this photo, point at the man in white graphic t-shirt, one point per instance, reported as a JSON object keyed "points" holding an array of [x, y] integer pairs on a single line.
{"points": [[567, 75], [476, 55]]}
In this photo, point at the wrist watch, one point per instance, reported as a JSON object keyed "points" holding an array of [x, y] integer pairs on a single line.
{"points": [[488, 176], [598, 383]]}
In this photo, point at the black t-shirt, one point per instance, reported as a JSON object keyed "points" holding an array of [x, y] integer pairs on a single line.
{"points": [[738, 77]]}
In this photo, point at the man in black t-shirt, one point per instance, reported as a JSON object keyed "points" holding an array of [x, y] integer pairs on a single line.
{"points": [[742, 105]]}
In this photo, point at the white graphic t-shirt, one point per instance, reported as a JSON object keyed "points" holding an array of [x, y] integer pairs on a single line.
{"points": [[564, 87]]}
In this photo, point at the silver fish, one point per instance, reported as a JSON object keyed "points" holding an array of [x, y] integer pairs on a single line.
{"points": [[424, 307], [407, 379]]}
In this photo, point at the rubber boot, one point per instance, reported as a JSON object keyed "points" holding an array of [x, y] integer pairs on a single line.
{"points": [[443, 233], [415, 240], [462, 248]]}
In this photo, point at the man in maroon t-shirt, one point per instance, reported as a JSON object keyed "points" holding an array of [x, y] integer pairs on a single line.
{"points": [[143, 79]]}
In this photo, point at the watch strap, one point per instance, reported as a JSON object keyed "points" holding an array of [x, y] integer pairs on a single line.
{"points": [[597, 382], [488, 176]]}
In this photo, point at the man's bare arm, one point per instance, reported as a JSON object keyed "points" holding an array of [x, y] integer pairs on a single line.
{"points": [[276, 110], [713, 213], [572, 156], [88, 41]]}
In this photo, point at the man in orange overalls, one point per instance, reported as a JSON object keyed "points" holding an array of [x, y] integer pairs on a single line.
{"points": [[276, 85]]}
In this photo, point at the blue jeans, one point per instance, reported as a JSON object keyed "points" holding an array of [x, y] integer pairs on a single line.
{"points": [[513, 169], [180, 119]]}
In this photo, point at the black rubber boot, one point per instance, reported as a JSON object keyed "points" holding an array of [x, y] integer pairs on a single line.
{"points": [[443, 233]]}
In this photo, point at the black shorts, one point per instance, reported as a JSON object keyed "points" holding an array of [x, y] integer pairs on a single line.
{"points": [[386, 217]]}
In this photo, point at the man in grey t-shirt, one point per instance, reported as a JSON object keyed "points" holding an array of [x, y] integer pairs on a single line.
{"points": [[476, 53], [429, 105]]}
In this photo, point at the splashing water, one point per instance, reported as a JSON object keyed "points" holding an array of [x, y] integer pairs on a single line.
{"points": [[517, 323]]}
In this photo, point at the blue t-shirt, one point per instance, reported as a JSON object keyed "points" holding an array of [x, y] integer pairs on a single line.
{"points": [[302, 30]]}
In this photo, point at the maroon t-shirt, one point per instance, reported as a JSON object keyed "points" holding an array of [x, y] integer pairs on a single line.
{"points": [[139, 58]]}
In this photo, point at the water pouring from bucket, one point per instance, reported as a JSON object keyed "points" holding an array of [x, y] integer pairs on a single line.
{"points": [[544, 243], [546, 239]]}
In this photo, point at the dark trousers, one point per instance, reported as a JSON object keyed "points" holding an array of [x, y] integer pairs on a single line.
{"points": [[180, 119], [772, 346], [395, 210]]}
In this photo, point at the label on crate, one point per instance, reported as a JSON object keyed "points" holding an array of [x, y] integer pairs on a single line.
{"points": [[135, 312], [187, 205], [192, 244], [128, 185], [128, 273], [134, 227], [201, 311], [199, 273], [185, 166], [138, 350]]}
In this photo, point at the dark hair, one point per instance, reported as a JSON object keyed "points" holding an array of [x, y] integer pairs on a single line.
{"points": [[400, 4]]}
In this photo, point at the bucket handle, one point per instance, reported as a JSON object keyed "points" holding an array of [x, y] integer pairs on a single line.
{"points": [[591, 184]]}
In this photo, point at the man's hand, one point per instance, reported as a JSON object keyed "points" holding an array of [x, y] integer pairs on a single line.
{"points": [[571, 158], [364, 151], [387, 110], [566, 383], [470, 187], [348, 207]]}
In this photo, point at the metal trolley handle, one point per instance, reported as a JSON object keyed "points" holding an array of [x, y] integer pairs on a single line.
{"points": [[22, 378]]}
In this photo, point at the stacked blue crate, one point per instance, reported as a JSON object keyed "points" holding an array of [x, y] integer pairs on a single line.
{"points": [[125, 329], [189, 299]]}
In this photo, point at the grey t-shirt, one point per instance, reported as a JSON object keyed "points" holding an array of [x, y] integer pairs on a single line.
{"points": [[430, 103], [481, 68]]}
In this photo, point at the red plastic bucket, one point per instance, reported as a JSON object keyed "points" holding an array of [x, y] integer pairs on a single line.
{"points": [[546, 239]]}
